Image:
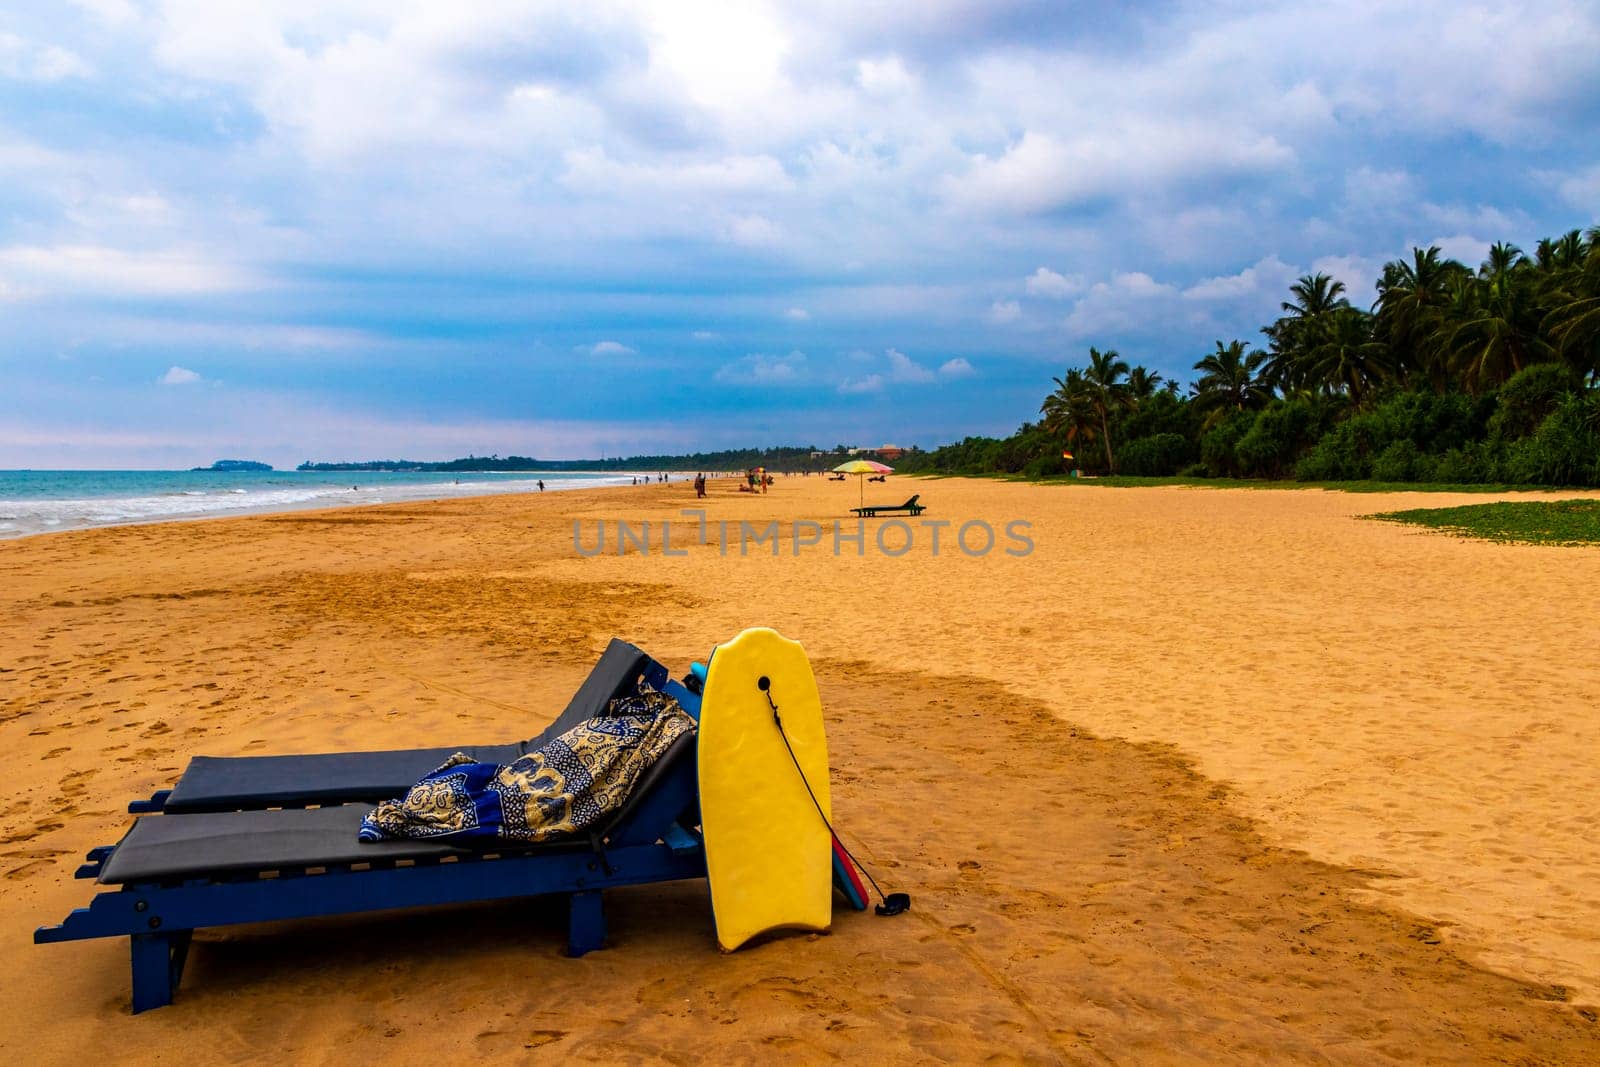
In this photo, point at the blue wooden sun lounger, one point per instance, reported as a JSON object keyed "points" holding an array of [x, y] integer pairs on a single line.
{"points": [[234, 783], [177, 872]]}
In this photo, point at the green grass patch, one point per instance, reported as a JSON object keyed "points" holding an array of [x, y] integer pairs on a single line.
{"points": [[1553, 522]]}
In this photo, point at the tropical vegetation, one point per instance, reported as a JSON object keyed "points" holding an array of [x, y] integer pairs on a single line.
{"points": [[1453, 374]]}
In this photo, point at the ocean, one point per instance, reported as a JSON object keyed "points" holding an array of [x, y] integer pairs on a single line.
{"points": [[43, 501]]}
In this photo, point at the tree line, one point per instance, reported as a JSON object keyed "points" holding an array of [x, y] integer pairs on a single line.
{"points": [[1453, 374]]}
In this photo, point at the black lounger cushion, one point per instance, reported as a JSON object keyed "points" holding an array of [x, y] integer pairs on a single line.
{"points": [[225, 783], [168, 847]]}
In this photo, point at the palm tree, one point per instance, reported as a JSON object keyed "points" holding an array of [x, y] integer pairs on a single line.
{"points": [[1573, 321], [1411, 300], [1107, 393], [1067, 411], [1143, 383], [1230, 381], [1493, 320], [1317, 297], [1345, 358]]}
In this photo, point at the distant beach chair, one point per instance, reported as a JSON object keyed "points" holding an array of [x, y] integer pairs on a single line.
{"points": [[184, 870], [910, 507]]}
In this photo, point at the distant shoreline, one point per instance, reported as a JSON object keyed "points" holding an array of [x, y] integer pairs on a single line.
{"points": [[79, 500]]}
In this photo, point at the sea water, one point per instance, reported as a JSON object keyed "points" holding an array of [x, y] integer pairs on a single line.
{"points": [[42, 501]]}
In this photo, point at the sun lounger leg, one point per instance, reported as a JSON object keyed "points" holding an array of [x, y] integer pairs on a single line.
{"points": [[586, 922], [157, 968]]}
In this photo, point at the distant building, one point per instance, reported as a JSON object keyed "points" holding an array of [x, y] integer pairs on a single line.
{"points": [[889, 452]]}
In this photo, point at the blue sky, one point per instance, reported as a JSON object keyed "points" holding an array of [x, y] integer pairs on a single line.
{"points": [[338, 230]]}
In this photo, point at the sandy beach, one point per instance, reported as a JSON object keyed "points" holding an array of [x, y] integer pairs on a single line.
{"points": [[1208, 774]]}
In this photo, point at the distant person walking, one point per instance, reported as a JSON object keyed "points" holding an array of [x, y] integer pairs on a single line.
{"points": [[541, 485]]}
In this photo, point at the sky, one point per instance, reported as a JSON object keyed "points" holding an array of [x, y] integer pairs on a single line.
{"points": [[317, 229]]}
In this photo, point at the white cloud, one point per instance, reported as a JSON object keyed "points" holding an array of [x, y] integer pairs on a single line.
{"points": [[609, 348], [1581, 189], [1042, 171], [761, 369], [753, 231], [27, 61], [884, 77], [1128, 301], [178, 376], [1047, 283], [591, 171], [78, 268], [871, 383], [956, 368], [1004, 311], [902, 368], [1359, 273], [1462, 247], [704, 335], [1268, 275], [797, 314]]}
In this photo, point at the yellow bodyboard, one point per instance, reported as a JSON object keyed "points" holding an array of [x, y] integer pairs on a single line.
{"points": [[769, 856]]}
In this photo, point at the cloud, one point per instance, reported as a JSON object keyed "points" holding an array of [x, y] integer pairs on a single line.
{"points": [[27, 61], [956, 368], [883, 77], [1581, 189], [871, 383], [609, 348], [80, 268], [704, 335], [1047, 283], [902, 368], [753, 231], [178, 376], [1004, 311], [1267, 275], [761, 369], [797, 314], [1042, 171], [1128, 301]]}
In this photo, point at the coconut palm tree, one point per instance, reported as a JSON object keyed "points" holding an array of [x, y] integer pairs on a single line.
{"points": [[1411, 301], [1344, 357], [1230, 381], [1573, 322], [1067, 411], [1143, 383], [1305, 319], [1492, 321], [1107, 393]]}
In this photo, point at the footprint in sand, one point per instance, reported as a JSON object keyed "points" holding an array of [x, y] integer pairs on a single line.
{"points": [[504, 1041]]}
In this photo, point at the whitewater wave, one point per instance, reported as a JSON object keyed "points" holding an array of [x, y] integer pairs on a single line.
{"points": [[19, 517]]}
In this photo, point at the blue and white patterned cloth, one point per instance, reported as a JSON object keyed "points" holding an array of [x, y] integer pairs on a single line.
{"points": [[565, 787]]}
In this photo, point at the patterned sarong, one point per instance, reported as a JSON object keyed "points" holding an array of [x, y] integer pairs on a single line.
{"points": [[568, 785]]}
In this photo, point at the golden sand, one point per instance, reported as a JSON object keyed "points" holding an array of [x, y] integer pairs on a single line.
{"points": [[1211, 773]]}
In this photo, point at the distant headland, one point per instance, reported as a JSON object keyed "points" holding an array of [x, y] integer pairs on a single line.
{"points": [[786, 458], [235, 465]]}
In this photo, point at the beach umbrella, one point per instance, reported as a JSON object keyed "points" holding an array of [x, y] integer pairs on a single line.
{"points": [[861, 468]]}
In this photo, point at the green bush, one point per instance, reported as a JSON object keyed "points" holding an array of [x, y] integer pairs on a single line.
{"points": [[1562, 451], [1400, 462], [1280, 434], [1340, 456], [1218, 444], [1528, 398], [1158, 456], [1050, 465]]}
